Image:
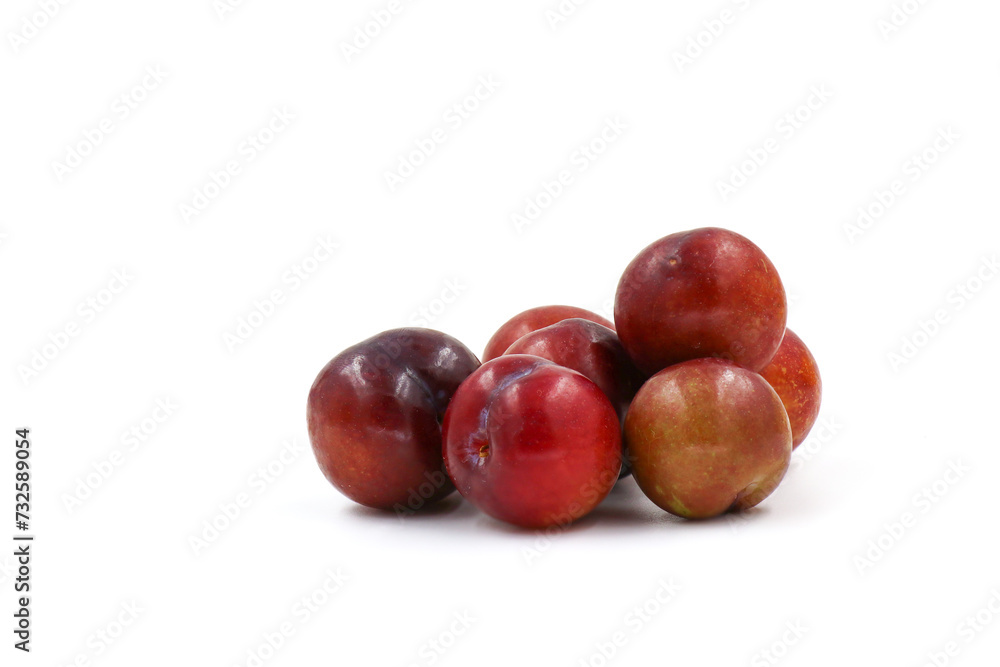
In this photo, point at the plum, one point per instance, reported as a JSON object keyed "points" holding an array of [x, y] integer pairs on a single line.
{"points": [[589, 348], [375, 412], [531, 443], [703, 293], [795, 376], [532, 320], [707, 436]]}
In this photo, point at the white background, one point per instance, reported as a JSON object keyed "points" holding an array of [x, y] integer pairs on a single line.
{"points": [[820, 554]]}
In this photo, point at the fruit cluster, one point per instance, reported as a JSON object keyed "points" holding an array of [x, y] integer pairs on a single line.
{"points": [[697, 389]]}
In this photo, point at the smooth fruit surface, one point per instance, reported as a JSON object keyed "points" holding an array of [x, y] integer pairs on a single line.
{"points": [[795, 376], [531, 443], [374, 415], [593, 350], [532, 320], [703, 293], [707, 437], [589, 348]]}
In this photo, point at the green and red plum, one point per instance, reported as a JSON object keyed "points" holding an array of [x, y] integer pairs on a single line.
{"points": [[707, 437]]}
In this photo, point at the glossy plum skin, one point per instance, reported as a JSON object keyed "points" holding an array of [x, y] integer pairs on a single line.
{"points": [[795, 376], [589, 348], [708, 292], [594, 350], [374, 414], [706, 437], [531, 443], [532, 320]]}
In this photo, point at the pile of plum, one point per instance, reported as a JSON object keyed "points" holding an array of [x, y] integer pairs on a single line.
{"points": [[698, 390]]}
